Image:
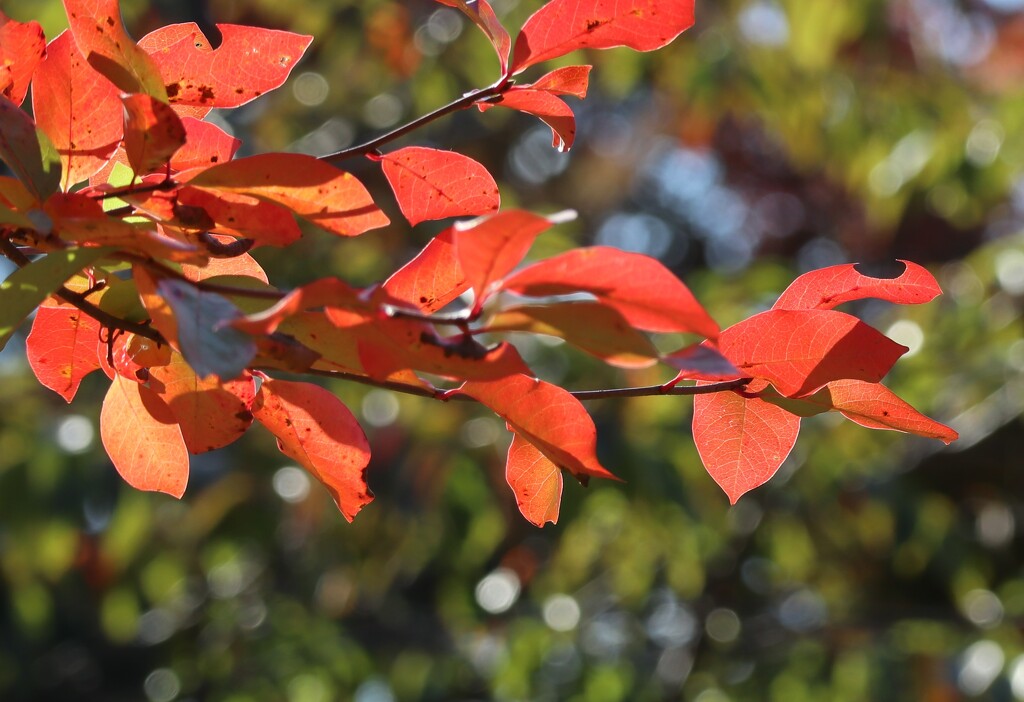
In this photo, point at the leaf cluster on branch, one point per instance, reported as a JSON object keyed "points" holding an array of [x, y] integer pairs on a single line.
{"points": [[131, 221]]}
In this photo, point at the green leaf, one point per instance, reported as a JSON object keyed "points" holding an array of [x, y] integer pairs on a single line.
{"points": [[26, 288]]}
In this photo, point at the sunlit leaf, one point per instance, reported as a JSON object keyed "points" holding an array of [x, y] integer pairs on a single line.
{"points": [[826, 288], [535, 480], [434, 184]]}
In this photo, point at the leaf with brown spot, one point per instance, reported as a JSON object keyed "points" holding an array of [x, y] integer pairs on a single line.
{"points": [[535, 480], [153, 132], [22, 46], [434, 184], [61, 348]]}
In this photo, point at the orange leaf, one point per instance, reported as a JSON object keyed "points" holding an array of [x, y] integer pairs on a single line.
{"points": [[490, 247], [826, 288], [432, 279], [313, 427], [535, 480], [567, 80], [318, 192], [544, 105], [482, 15], [433, 184], [741, 441], [142, 439], [799, 351], [102, 39], [61, 348], [640, 288], [546, 416], [153, 132], [562, 26]]}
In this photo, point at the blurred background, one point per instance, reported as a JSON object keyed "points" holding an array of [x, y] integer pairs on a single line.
{"points": [[772, 138]]}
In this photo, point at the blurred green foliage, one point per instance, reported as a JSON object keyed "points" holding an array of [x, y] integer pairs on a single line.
{"points": [[772, 138]]}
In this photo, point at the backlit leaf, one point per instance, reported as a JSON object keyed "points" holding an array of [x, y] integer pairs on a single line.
{"points": [[640, 288], [313, 427], [598, 330], [535, 480], [79, 109], [701, 362], [545, 106], [142, 439], [826, 288], [548, 417], [211, 413], [102, 39], [567, 80], [61, 348], [432, 279], [434, 184], [22, 46], [320, 193], [482, 15], [153, 132], [490, 247], [26, 288], [741, 441], [562, 26], [249, 62], [801, 350]]}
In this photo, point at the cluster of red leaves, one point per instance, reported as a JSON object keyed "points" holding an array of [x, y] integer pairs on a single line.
{"points": [[145, 216]]}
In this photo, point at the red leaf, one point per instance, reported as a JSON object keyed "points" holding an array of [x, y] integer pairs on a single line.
{"points": [[79, 110], [433, 184], [211, 414], [153, 132], [875, 406], [326, 291], [102, 39], [826, 288], [535, 480], [482, 15], [313, 427], [562, 26], [61, 348], [490, 247], [548, 417], [241, 215], [568, 80], [142, 439], [22, 46], [159, 41], [544, 105], [741, 441], [640, 288], [432, 279], [320, 193], [590, 326], [801, 350], [205, 145], [249, 62]]}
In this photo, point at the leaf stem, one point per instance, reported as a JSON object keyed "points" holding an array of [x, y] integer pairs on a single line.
{"points": [[459, 104]]}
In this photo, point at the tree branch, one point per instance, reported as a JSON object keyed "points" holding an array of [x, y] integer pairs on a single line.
{"points": [[460, 104], [77, 300]]}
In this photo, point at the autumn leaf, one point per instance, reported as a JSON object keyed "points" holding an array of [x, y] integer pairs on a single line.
{"points": [[640, 288], [103, 40], [79, 109], [482, 15], [22, 46], [799, 351], [153, 132], [590, 326], [562, 26], [211, 413], [567, 80], [741, 441], [206, 144], [489, 248], [432, 279], [244, 265], [313, 427], [143, 440], [434, 184], [826, 288], [548, 417], [61, 348], [545, 106], [701, 362], [249, 62], [535, 480], [316, 191]]}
